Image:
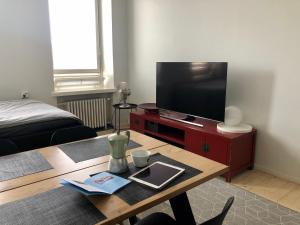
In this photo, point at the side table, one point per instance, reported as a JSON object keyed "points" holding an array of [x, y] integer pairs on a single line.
{"points": [[119, 107]]}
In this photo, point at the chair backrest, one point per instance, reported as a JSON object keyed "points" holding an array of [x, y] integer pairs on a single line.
{"points": [[218, 220], [71, 134], [7, 147]]}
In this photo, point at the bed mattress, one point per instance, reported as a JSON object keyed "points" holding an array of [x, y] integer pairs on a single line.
{"points": [[23, 117]]}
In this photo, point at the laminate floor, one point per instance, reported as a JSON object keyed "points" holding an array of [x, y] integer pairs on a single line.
{"points": [[278, 190]]}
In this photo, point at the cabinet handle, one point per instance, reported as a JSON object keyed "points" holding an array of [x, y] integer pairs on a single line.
{"points": [[205, 147]]}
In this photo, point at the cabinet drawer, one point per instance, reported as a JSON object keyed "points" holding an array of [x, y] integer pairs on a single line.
{"points": [[209, 146], [194, 142], [216, 148]]}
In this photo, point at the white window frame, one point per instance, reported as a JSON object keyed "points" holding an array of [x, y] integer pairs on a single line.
{"points": [[84, 75]]}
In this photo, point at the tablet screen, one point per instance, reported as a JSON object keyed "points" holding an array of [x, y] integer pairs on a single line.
{"points": [[157, 174]]}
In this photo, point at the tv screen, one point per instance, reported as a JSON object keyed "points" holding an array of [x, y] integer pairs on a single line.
{"points": [[193, 88]]}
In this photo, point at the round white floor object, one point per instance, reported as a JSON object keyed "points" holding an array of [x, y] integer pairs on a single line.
{"points": [[240, 128]]}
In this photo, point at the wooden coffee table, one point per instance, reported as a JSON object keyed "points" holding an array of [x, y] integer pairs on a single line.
{"points": [[62, 164], [114, 208]]}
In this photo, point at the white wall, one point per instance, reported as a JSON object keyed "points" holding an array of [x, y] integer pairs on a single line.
{"points": [[120, 40], [120, 46], [25, 50], [259, 39]]}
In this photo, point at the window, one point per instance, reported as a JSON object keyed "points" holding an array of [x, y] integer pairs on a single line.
{"points": [[77, 34]]}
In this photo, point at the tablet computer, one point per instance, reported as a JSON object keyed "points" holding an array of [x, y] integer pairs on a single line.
{"points": [[157, 175]]}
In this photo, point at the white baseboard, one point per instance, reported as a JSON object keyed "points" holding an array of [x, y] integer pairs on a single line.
{"points": [[277, 173]]}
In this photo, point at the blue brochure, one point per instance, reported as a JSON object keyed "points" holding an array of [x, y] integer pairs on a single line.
{"points": [[102, 183]]}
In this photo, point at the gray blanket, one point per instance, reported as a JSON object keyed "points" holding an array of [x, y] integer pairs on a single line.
{"points": [[22, 112], [27, 117]]}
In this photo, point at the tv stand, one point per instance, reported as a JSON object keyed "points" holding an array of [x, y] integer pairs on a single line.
{"points": [[189, 118], [184, 119], [232, 149]]}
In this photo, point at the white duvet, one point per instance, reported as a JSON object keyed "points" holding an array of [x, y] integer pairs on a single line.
{"points": [[19, 112]]}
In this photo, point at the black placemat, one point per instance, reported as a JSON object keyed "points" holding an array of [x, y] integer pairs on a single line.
{"points": [[61, 206], [90, 149], [134, 192], [22, 164]]}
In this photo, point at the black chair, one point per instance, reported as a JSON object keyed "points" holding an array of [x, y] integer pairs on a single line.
{"points": [[7, 147], [164, 219], [71, 134]]}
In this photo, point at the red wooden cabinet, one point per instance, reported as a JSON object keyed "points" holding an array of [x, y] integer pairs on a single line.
{"points": [[137, 123], [234, 150]]}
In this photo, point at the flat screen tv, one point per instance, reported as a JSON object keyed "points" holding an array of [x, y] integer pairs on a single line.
{"points": [[193, 88]]}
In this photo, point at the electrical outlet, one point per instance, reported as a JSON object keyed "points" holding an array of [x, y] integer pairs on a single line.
{"points": [[25, 94]]}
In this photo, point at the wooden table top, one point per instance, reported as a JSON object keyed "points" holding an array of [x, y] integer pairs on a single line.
{"points": [[62, 164], [115, 209]]}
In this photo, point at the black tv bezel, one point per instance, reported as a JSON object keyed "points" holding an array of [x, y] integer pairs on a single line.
{"points": [[187, 114]]}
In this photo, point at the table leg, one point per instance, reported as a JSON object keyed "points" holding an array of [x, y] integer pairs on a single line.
{"points": [[119, 119], [182, 209], [133, 220], [115, 126]]}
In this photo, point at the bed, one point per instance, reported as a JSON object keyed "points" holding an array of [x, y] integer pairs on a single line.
{"points": [[29, 124]]}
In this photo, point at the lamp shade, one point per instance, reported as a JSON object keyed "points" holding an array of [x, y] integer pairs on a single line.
{"points": [[233, 116]]}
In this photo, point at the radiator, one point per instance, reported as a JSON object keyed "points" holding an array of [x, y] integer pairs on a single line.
{"points": [[93, 112]]}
